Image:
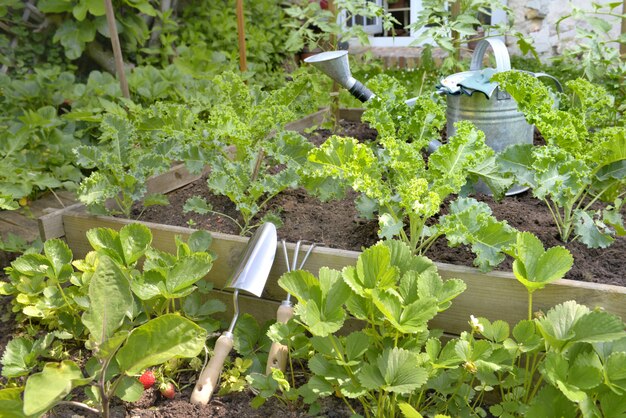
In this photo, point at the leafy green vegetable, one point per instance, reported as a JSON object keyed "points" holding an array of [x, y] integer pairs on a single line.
{"points": [[264, 159], [398, 183], [583, 161], [395, 294]]}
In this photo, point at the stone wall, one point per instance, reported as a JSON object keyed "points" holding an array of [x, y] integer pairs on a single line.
{"points": [[538, 19]]}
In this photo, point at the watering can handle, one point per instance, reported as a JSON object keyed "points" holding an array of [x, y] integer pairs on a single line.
{"points": [[503, 62], [557, 83]]}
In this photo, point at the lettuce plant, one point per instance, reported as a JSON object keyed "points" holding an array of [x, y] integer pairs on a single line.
{"points": [[583, 162], [405, 189]]}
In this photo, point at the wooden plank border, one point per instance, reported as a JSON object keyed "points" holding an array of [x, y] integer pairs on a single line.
{"points": [[495, 295], [51, 224]]}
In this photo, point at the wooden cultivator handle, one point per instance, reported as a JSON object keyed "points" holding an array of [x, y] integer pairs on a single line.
{"points": [[208, 378], [277, 358]]}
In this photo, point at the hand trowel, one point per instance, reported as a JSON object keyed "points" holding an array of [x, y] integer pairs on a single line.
{"points": [[250, 276]]}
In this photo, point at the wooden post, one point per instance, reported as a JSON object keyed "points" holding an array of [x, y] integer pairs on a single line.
{"points": [[117, 50], [243, 65], [334, 95]]}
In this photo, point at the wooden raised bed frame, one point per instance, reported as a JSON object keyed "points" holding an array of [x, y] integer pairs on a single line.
{"points": [[494, 295]]}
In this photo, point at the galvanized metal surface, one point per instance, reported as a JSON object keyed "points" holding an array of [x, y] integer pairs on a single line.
{"points": [[256, 261], [498, 116]]}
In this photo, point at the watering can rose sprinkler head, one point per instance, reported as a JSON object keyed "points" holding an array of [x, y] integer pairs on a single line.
{"points": [[249, 276], [336, 66]]}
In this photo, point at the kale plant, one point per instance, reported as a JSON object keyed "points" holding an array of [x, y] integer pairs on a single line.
{"points": [[583, 162], [399, 184], [253, 157]]}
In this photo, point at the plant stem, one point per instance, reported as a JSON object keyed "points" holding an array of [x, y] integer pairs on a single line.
{"points": [[80, 405], [67, 302], [557, 219]]}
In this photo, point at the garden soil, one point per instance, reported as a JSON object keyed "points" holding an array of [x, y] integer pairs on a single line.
{"points": [[334, 224]]}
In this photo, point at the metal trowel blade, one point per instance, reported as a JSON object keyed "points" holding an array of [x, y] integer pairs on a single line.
{"points": [[256, 261]]}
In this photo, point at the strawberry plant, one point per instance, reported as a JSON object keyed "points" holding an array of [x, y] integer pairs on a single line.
{"points": [[567, 361], [52, 289], [394, 293], [583, 162], [398, 184], [252, 157], [36, 145], [134, 315], [118, 351], [563, 362]]}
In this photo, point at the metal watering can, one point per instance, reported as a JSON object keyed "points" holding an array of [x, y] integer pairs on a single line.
{"points": [[494, 112], [470, 95]]}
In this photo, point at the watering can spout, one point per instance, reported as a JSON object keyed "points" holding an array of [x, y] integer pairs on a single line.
{"points": [[335, 65]]}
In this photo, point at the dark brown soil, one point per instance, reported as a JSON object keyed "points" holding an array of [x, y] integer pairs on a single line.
{"points": [[235, 405], [336, 224]]}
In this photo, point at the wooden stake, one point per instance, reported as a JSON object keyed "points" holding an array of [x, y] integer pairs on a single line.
{"points": [[117, 50], [243, 65], [334, 95]]}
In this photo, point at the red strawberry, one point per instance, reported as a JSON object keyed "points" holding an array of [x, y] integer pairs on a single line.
{"points": [[168, 390], [147, 379]]}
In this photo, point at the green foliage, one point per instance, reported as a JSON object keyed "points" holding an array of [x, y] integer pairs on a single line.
{"points": [[569, 347], [118, 356], [83, 20], [35, 141], [21, 47], [596, 52], [452, 30], [21, 355], [535, 267], [208, 39], [40, 285], [132, 319], [583, 161], [251, 155], [395, 294], [312, 27], [398, 183], [136, 145], [55, 290]]}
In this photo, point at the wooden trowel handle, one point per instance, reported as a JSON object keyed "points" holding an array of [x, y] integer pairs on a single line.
{"points": [[208, 378], [277, 357]]}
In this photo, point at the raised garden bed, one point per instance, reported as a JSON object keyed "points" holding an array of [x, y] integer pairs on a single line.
{"points": [[494, 295]]}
